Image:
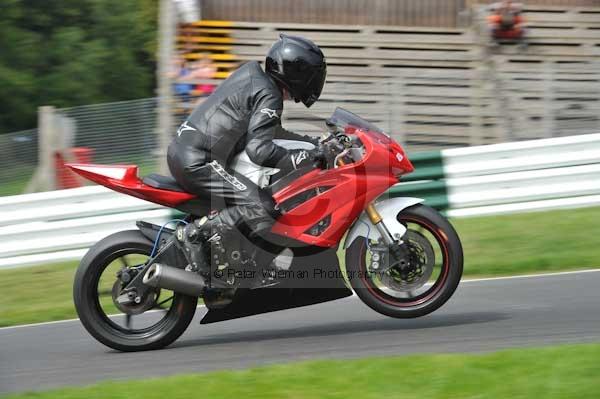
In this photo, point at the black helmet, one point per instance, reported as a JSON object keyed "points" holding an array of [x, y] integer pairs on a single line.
{"points": [[298, 65]]}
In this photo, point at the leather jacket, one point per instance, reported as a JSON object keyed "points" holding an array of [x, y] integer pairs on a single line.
{"points": [[244, 113]]}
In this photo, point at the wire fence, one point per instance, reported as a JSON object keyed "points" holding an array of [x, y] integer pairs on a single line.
{"points": [[422, 111], [18, 160], [113, 133], [119, 132]]}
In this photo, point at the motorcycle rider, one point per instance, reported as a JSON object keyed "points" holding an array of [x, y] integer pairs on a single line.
{"points": [[244, 113]]}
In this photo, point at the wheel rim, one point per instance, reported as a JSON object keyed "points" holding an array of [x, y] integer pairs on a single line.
{"points": [[419, 291], [161, 313]]}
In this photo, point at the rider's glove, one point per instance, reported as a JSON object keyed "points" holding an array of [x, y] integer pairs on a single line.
{"points": [[328, 151], [301, 158]]}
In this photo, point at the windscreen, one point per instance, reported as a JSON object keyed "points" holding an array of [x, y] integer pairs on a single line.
{"points": [[344, 118]]}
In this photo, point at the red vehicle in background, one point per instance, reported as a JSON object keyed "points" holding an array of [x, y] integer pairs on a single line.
{"points": [[403, 258]]}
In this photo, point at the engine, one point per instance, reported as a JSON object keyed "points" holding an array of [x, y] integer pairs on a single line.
{"points": [[228, 258]]}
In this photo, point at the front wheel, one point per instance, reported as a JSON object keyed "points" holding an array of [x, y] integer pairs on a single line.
{"points": [[429, 274], [159, 318]]}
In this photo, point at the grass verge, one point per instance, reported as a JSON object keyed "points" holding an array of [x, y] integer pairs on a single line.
{"points": [[35, 294], [530, 242], [550, 373], [494, 246]]}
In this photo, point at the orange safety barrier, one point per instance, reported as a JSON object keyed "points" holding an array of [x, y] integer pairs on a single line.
{"points": [[65, 178]]}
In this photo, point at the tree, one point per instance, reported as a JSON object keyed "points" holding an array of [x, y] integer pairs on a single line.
{"points": [[73, 52]]}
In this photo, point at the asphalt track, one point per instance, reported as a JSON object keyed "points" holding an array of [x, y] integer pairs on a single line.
{"points": [[484, 315]]}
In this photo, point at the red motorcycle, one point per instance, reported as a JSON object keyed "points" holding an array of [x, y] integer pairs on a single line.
{"points": [[402, 258]]}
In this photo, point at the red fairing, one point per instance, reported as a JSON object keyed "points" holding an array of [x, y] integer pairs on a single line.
{"points": [[351, 188], [124, 179]]}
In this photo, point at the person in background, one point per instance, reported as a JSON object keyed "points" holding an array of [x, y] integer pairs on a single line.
{"points": [[202, 69], [506, 22], [180, 75]]}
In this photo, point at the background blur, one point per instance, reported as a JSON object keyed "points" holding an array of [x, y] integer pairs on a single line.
{"points": [[120, 77], [497, 104], [107, 81]]}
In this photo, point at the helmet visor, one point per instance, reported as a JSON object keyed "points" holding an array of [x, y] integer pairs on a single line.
{"points": [[314, 87]]}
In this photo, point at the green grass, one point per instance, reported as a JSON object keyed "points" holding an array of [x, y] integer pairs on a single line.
{"points": [[494, 246], [549, 373], [14, 179], [36, 294], [531, 242], [14, 187]]}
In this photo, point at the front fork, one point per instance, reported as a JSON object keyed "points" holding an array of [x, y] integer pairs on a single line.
{"points": [[396, 246], [377, 221]]}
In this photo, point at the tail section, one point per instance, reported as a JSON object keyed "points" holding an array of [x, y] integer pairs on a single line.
{"points": [[125, 179]]}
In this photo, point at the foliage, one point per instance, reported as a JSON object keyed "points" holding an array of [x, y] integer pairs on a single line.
{"points": [[73, 52]]}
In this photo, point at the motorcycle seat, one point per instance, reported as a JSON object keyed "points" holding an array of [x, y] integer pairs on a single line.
{"points": [[162, 182]]}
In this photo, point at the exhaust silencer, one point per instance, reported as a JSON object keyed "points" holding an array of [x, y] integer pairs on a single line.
{"points": [[174, 279]]}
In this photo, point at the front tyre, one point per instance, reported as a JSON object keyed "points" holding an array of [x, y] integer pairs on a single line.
{"points": [[158, 320], [436, 265]]}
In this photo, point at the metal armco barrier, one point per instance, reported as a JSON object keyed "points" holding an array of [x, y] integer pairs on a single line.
{"points": [[494, 179], [510, 177], [60, 225]]}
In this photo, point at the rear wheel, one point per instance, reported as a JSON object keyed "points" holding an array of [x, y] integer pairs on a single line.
{"points": [[159, 318], [435, 264]]}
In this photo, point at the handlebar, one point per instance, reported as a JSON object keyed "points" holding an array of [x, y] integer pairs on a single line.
{"points": [[334, 147]]}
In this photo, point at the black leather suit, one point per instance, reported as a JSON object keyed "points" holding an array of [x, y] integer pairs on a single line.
{"points": [[242, 114]]}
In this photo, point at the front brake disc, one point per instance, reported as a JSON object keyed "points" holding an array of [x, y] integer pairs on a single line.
{"points": [[421, 262]]}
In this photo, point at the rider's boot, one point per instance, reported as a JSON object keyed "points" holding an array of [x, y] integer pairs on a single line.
{"points": [[199, 238], [204, 239]]}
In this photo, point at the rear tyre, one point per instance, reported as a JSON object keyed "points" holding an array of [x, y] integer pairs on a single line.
{"points": [[435, 244], [95, 286]]}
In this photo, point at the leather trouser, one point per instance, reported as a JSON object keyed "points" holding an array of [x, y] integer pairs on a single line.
{"points": [[240, 202]]}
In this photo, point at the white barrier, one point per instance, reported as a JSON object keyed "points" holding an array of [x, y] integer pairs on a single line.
{"points": [[486, 180], [523, 176], [60, 225]]}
